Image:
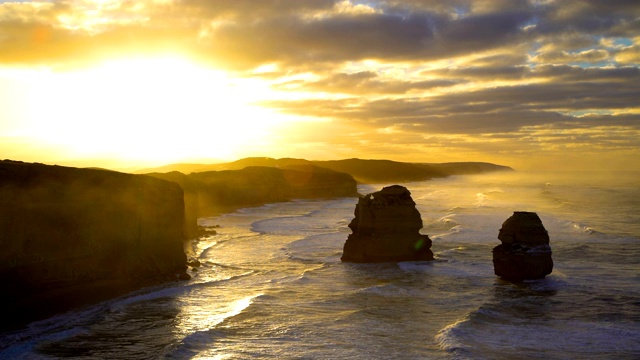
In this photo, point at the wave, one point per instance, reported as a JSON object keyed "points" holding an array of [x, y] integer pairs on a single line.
{"points": [[457, 229], [448, 254], [18, 348], [197, 343], [456, 209], [236, 308], [481, 200], [487, 334], [15, 345], [303, 278], [585, 229], [109, 317], [536, 319], [393, 290], [221, 265], [320, 248], [294, 225], [171, 291]]}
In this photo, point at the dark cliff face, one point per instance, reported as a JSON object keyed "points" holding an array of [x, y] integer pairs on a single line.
{"points": [[72, 236], [213, 192], [386, 229]]}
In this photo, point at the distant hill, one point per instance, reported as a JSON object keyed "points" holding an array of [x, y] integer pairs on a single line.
{"points": [[382, 171], [183, 168], [214, 192], [467, 168], [234, 165], [363, 171]]}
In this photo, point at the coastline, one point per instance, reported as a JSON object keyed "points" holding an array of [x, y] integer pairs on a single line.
{"points": [[45, 285]]}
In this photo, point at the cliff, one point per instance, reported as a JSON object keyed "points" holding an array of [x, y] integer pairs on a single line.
{"points": [[386, 229], [214, 192], [72, 236]]}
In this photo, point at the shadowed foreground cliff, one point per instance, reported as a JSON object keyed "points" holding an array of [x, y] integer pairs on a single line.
{"points": [[70, 236], [214, 192]]}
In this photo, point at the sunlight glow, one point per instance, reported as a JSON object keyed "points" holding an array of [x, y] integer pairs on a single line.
{"points": [[153, 109]]}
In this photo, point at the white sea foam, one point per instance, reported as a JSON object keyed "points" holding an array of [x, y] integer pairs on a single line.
{"points": [[583, 229]]}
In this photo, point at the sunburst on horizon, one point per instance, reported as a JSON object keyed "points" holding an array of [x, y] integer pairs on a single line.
{"points": [[151, 109]]}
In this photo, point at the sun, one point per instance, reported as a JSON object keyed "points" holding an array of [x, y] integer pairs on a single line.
{"points": [[160, 109]]}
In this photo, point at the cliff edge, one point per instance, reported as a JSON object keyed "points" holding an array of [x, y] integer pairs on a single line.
{"points": [[70, 237]]}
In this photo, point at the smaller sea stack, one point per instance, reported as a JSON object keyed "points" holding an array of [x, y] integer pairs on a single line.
{"points": [[386, 228], [525, 253]]}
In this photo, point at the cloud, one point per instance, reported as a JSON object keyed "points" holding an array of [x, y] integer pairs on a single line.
{"points": [[388, 36], [564, 57], [629, 55], [305, 34], [548, 93], [464, 72], [364, 82]]}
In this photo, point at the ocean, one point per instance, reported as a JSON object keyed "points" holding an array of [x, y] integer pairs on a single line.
{"points": [[272, 285]]}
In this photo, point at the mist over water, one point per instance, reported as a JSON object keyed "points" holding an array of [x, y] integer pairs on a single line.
{"points": [[272, 284]]}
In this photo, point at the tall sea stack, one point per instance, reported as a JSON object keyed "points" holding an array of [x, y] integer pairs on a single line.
{"points": [[525, 253], [386, 229]]}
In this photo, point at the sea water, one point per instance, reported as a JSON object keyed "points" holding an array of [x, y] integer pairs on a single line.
{"points": [[272, 285]]}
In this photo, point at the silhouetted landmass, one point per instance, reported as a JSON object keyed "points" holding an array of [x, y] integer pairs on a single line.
{"points": [[466, 168], [364, 171], [234, 165], [214, 192], [72, 236], [183, 168]]}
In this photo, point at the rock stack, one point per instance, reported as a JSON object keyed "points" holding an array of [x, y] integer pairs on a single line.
{"points": [[525, 253], [386, 229]]}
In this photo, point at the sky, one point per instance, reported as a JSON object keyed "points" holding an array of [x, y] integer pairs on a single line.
{"points": [[535, 84]]}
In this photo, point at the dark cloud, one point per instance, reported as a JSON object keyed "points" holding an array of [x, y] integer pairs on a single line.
{"points": [[245, 34], [610, 76], [339, 38], [419, 36], [607, 18], [566, 90]]}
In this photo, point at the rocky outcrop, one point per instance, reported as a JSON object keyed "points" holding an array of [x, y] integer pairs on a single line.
{"points": [[386, 229], [72, 236], [525, 253]]}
